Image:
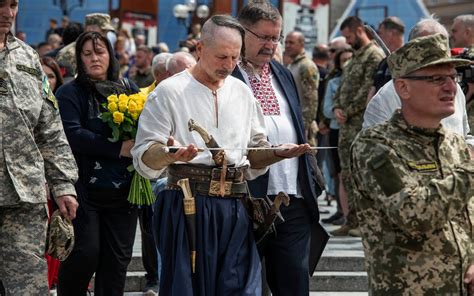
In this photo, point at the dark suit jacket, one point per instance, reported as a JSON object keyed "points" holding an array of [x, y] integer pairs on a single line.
{"points": [[310, 189]]}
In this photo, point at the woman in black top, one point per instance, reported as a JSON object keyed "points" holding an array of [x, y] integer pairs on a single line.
{"points": [[105, 224]]}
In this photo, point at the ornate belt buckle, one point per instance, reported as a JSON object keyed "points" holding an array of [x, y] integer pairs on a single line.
{"points": [[215, 186]]}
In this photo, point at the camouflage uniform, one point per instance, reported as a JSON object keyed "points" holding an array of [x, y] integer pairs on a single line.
{"points": [[306, 76], [351, 97], [415, 205], [32, 146], [470, 113], [470, 101], [67, 58]]}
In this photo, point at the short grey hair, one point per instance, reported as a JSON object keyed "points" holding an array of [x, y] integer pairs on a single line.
{"points": [[466, 20], [158, 65], [427, 26]]}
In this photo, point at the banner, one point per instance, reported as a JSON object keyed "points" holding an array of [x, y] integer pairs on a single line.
{"points": [[311, 17]]}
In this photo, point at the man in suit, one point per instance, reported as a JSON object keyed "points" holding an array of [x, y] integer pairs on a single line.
{"points": [[286, 252]]}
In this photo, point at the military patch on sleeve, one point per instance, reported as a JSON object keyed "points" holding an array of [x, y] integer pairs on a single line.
{"points": [[423, 166], [386, 174], [48, 93], [29, 70]]}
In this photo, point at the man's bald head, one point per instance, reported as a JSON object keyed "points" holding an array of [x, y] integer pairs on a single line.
{"points": [[297, 35], [180, 61], [294, 44]]}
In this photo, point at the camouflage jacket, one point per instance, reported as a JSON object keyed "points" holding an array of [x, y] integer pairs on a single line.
{"points": [[470, 101], [32, 142], [306, 76], [470, 113], [67, 58], [415, 190], [357, 78]]}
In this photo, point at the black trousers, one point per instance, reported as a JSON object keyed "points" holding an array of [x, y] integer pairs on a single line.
{"points": [[286, 252], [104, 245], [149, 251]]}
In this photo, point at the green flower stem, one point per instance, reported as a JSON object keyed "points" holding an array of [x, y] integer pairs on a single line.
{"points": [[140, 191]]}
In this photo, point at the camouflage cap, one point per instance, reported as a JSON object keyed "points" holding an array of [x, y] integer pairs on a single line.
{"points": [[102, 20], [420, 53], [60, 240]]}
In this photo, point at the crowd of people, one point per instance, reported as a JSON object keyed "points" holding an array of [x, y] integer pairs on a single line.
{"points": [[232, 123]]}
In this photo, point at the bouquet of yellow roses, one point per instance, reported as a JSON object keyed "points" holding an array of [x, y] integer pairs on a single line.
{"points": [[122, 116]]}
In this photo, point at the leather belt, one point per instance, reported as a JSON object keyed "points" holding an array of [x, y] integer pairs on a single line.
{"points": [[235, 190], [206, 173], [206, 180]]}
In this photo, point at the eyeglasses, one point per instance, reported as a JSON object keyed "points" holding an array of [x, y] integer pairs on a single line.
{"points": [[264, 39], [436, 79]]}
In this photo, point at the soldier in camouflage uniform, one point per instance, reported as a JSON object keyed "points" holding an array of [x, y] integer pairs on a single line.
{"points": [[415, 182], [67, 58], [306, 75], [33, 150], [350, 101]]}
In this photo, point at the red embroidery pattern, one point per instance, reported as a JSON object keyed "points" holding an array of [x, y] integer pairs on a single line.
{"points": [[263, 91]]}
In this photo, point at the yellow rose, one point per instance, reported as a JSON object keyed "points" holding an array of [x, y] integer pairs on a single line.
{"points": [[134, 97], [139, 107], [118, 117], [112, 106], [134, 116], [123, 97], [132, 106], [112, 99], [122, 105]]}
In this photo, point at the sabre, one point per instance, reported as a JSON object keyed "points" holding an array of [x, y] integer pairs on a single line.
{"points": [[173, 149]]}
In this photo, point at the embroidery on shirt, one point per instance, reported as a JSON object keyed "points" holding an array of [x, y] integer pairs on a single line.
{"points": [[263, 91]]}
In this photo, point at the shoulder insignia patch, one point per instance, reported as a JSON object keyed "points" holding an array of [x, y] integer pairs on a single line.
{"points": [[386, 174], [29, 70], [423, 166], [48, 93]]}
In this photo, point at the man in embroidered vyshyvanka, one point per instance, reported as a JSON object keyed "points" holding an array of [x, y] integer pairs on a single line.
{"points": [[291, 253], [226, 261]]}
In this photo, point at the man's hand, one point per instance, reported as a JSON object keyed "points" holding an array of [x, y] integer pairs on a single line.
{"points": [[323, 128], [67, 206], [182, 154], [340, 117], [126, 148], [292, 150], [469, 279]]}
